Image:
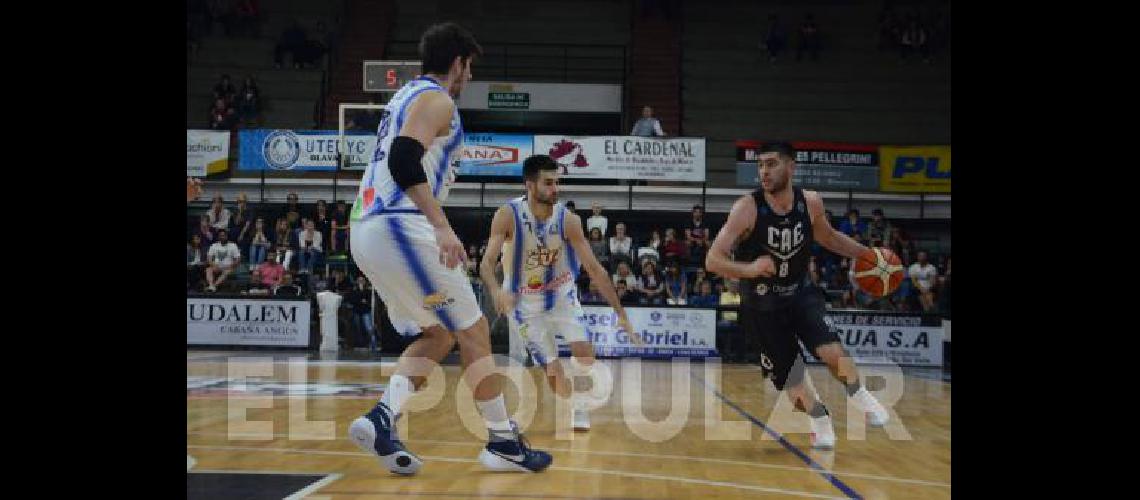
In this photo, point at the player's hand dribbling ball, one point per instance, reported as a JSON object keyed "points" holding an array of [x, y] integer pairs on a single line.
{"points": [[878, 272]]}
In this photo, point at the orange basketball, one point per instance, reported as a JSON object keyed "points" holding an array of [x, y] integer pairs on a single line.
{"points": [[879, 272]]}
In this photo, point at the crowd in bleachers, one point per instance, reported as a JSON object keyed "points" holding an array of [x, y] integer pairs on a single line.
{"points": [[271, 246], [267, 247]]}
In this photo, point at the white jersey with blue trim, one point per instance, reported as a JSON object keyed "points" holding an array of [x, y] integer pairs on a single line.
{"points": [[379, 192], [539, 264]]}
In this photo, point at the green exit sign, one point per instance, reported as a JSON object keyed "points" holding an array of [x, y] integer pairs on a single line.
{"points": [[515, 100]]}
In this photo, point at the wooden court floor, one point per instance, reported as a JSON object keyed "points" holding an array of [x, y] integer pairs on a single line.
{"points": [[256, 412]]}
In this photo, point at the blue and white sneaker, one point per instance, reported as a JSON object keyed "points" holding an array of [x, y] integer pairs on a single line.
{"points": [[375, 433], [510, 451]]}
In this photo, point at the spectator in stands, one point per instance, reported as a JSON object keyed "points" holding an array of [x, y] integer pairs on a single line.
{"points": [[878, 230], [324, 224], [339, 282], [259, 244], [256, 285], [218, 214], [195, 264], [775, 37], [697, 235], [652, 248], [624, 295], [902, 245], [221, 115], [599, 247], [288, 287], [309, 245], [224, 257], [671, 249], [809, 39], [360, 298], [281, 233], [676, 285], [292, 41], [224, 90], [621, 245], [340, 227], [292, 210], [597, 220], [699, 277], [625, 276], [696, 228], [248, 102], [473, 258], [285, 253], [205, 232], [730, 297], [853, 227], [241, 224], [914, 39], [593, 295], [271, 270], [705, 297], [923, 275], [647, 125], [650, 286]]}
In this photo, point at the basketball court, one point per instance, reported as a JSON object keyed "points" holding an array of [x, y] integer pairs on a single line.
{"points": [[273, 425]]}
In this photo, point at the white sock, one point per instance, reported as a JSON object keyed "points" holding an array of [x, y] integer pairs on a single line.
{"points": [[494, 411], [399, 390]]}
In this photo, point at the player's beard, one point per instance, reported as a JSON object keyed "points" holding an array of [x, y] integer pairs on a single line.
{"points": [[545, 201], [778, 184]]}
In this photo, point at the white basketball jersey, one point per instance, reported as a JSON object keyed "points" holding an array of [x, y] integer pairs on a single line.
{"points": [[539, 264], [379, 192]]}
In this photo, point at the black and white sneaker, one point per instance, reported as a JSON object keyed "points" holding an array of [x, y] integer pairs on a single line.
{"points": [[375, 433], [509, 451]]}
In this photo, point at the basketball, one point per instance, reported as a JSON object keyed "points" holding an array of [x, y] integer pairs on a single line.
{"points": [[878, 273]]}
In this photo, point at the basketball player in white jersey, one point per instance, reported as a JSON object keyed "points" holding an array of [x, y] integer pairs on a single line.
{"points": [[542, 242], [405, 245]]}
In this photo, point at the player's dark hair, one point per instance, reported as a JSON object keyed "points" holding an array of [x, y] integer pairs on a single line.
{"points": [[536, 163], [442, 43], [781, 147]]}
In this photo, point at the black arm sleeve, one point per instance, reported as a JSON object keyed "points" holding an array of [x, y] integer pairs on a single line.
{"points": [[404, 162]]}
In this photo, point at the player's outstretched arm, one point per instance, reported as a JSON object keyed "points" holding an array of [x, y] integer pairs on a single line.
{"points": [[428, 116], [740, 219], [577, 239], [826, 235], [500, 230]]}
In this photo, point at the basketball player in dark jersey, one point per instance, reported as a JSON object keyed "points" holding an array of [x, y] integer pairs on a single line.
{"points": [[773, 229]]}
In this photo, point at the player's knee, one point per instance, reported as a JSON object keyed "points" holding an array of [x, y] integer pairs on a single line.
{"points": [[438, 336], [830, 354], [583, 351]]}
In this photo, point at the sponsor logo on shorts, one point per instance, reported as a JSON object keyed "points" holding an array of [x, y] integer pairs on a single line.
{"points": [[437, 301], [761, 289]]}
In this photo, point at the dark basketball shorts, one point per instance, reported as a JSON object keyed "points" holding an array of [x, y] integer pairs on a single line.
{"points": [[780, 331]]}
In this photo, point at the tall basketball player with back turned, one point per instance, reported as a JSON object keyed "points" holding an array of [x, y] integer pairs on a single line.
{"points": [[405, 245], [775, 227]]}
